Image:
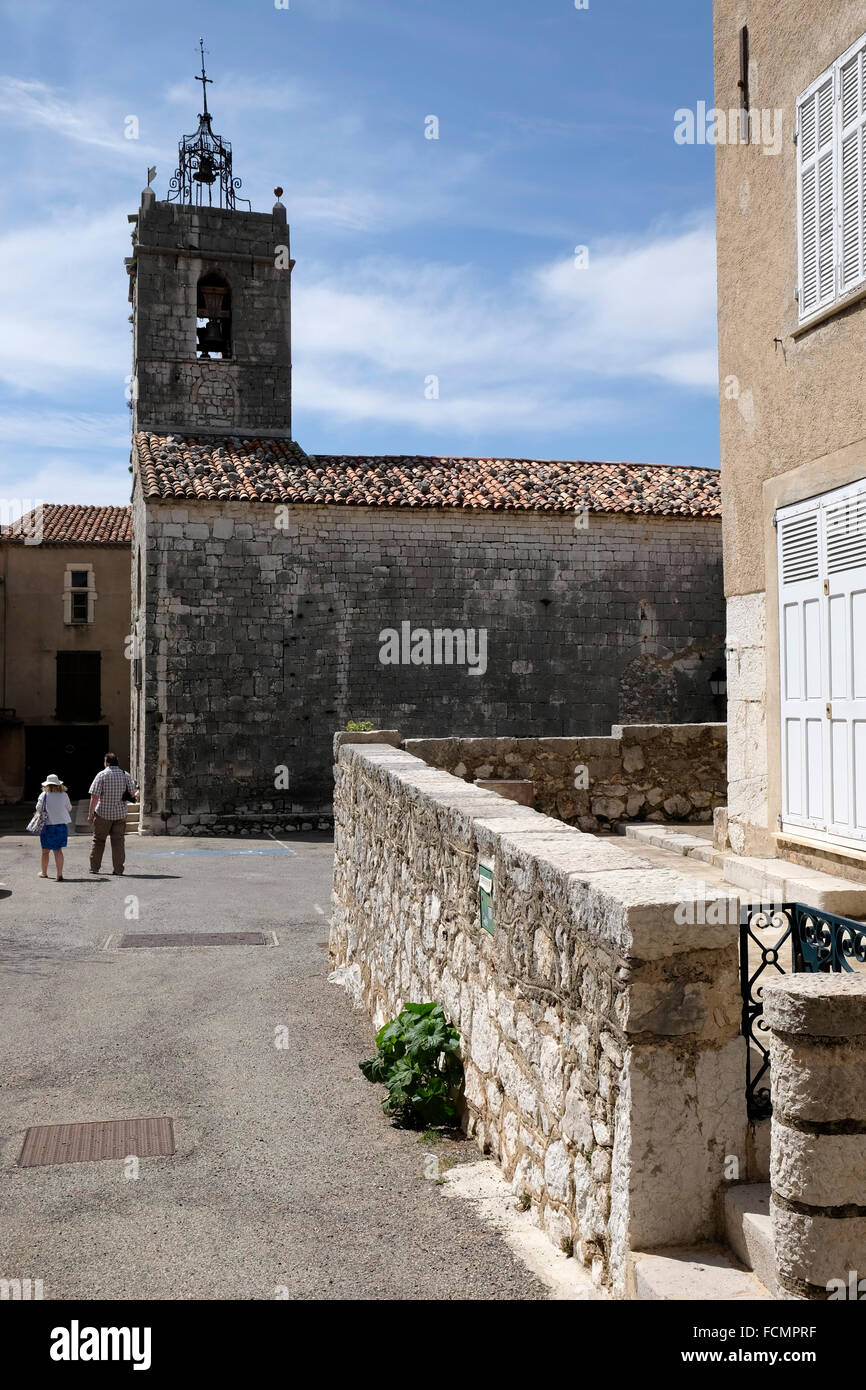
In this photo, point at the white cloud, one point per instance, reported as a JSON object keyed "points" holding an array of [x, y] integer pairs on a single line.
{"points": [[57, 429], [63, 302], [239, 94], [57, 478], [549, 344], [33, 105]]}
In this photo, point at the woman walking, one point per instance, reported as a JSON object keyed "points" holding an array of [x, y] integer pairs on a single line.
{"points": [[54, 803]]}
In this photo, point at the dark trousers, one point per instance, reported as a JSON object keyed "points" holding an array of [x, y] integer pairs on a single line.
{"points": [[115, 830]]}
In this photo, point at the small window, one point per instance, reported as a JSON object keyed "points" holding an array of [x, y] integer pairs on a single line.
{"points": [[80, 607], [79, 595], [79, 685]]}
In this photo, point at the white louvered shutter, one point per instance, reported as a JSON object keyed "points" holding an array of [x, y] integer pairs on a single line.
{"points": [[802, 644], [844, 528], [816, 113], [852, 168]]}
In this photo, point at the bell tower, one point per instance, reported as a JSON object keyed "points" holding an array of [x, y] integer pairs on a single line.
{"points": [[210, 294]]}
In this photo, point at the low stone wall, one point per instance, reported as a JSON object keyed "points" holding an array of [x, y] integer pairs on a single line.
{"points": [[653, 772], [600, 1037]]}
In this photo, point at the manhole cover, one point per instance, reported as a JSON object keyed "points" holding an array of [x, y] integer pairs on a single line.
{"points": [[82, 1143], [194, 938]]}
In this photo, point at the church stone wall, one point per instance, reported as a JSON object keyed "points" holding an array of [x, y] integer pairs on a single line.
{"points": [[264, 623]]}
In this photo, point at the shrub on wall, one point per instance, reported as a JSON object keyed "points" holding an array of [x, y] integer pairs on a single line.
{"points": [[417, 1061]]}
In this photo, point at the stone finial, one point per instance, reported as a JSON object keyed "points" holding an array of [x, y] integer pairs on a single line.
{"points": [[818, 1132], [830, 1006]]}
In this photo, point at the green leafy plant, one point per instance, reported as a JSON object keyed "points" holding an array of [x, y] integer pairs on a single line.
{"points": [[417, 1061], [359, 726]]}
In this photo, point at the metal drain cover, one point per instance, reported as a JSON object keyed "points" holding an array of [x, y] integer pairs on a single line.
{"points": [[83, 1143], [195, 938]]}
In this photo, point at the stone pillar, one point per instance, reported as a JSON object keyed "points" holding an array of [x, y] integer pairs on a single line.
{"points": [[818, 1135]]}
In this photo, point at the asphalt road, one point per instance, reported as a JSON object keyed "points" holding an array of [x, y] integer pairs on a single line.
{"points": [[287, 1181]]}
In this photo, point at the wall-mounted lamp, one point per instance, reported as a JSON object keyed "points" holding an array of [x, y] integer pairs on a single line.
{"points": [[719, 681]]}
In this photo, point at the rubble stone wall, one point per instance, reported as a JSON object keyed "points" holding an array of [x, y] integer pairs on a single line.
{"points": [[653, 772]]}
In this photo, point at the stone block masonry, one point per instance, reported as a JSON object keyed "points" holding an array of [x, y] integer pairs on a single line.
{"points": [[600, 1038], [673, 772], [260, 638], [175, 389]]}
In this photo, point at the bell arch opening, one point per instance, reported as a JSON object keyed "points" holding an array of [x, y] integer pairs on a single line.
{"points": [[213, 316]]}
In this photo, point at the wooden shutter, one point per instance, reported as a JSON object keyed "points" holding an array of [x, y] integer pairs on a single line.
{"points": [[802, 644], [79, 686], [852, 167], [816, 120]]}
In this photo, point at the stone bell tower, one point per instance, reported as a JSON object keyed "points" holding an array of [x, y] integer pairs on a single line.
{"points": [[210, 290]]}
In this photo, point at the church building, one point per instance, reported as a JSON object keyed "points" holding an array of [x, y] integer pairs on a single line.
{"points": [[277, 594]]}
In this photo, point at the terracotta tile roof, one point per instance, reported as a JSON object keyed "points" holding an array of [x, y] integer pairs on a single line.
{"points": [[275, 470], [70, 524]]}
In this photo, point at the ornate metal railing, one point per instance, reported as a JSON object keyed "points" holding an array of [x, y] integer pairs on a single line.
{"points": [[819, 941]]}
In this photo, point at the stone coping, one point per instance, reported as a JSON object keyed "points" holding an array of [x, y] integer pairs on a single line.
{"points": [[616, 895]]}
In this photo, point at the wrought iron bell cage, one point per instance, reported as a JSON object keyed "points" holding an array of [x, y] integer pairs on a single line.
{"points": [[203, 177]]}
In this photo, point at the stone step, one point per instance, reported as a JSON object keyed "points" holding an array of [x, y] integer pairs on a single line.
{"points": [[778, 880], [679, 839], [702, 1273], [686, 841], [749, 1232]]}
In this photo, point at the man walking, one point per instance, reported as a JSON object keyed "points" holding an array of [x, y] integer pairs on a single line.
{"points": [[108, 813]]}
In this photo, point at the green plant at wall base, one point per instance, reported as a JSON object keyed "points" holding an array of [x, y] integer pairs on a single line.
{"points": [[417, 1061], [359, 726]]}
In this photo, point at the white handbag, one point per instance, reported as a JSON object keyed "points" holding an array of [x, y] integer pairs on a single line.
{"points": [[38, 821]]}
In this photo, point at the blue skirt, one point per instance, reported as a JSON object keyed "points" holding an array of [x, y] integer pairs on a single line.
{"points": [[54, 837]]}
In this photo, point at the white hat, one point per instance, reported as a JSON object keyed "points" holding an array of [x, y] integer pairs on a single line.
{"points": [[52, 780]]}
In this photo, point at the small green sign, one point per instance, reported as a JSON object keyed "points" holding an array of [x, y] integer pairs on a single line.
{"points": [[485, 892]]}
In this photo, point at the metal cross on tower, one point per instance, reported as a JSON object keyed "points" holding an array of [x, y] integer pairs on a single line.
{"points": [[203, 177], [203, 79]]}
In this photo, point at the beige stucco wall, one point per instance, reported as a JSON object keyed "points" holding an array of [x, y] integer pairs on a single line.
{"points": [[805, 397], [32, 632], [792, 399]]}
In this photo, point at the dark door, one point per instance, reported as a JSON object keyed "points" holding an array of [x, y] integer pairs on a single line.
{"points": [[74, 751]]}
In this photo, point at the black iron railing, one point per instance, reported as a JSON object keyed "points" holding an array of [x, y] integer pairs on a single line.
{"points": [[819, 942]]}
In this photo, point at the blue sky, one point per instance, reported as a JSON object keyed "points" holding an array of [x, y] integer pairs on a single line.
{"points": [[451, 257]]}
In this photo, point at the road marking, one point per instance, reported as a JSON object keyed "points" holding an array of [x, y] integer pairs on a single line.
{"points": [[108, 941], [287, 848]]}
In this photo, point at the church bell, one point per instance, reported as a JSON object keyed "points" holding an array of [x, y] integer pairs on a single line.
{"points": [[213, 306]]}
